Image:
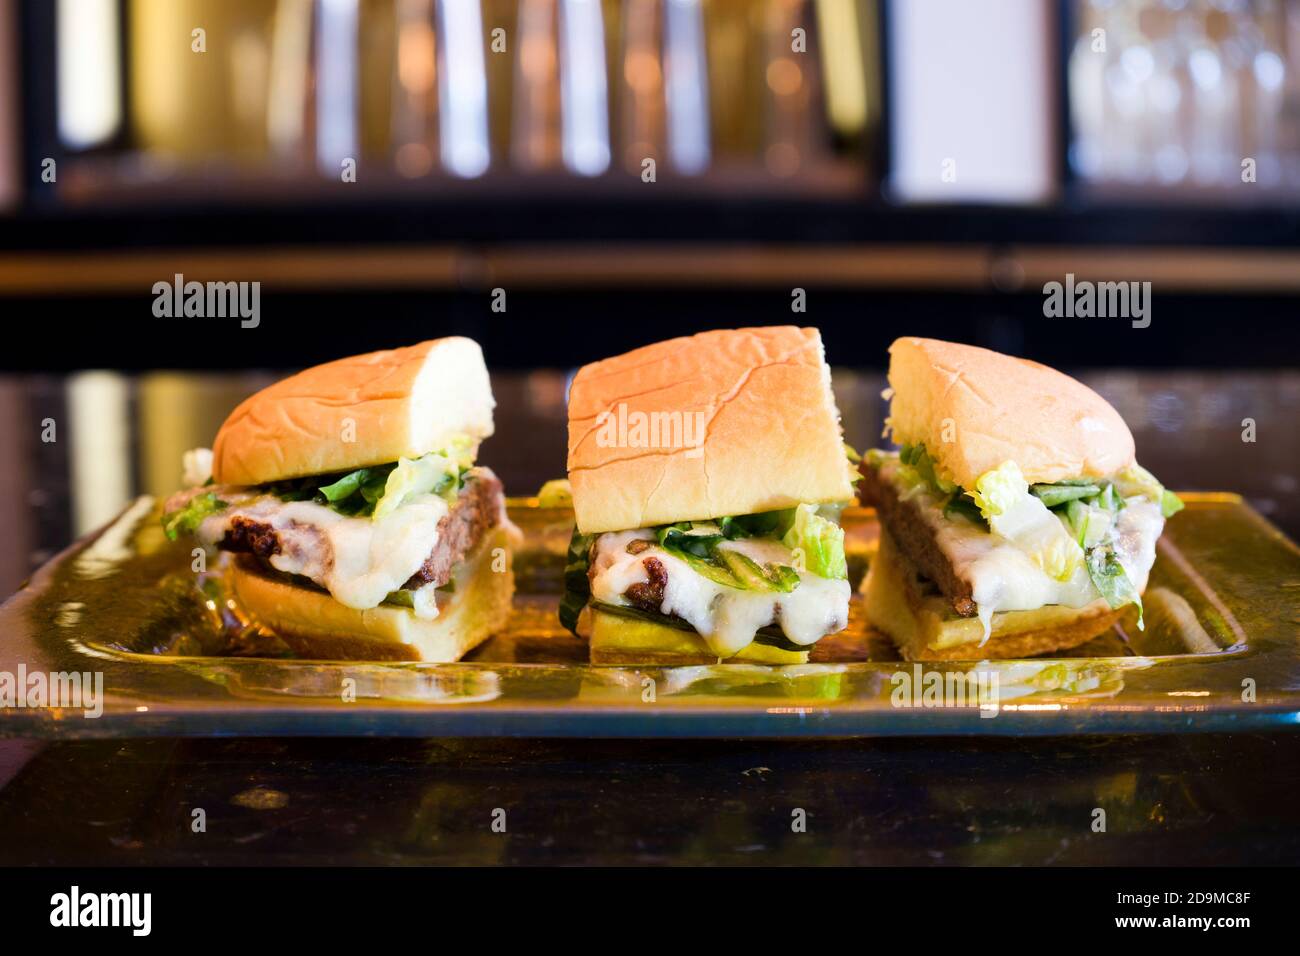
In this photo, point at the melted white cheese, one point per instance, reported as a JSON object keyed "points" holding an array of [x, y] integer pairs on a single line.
{"points": [[363, 559], [1005, 578], [727, 618]]}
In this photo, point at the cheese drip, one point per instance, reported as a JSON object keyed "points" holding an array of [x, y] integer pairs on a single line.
{"points": [[726, 618], [364, 559]]}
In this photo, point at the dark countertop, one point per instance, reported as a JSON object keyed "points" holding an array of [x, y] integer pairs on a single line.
{"points": [[1190, 800]]}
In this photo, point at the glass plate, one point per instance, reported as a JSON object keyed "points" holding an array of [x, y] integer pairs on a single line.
{"points": [[1220, 651]]}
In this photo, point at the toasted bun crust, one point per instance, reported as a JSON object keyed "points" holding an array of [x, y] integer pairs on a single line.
{"points": [[926, 629], [318, 627], [617, 640], [756, 429], [975, 409], [364, 410]]}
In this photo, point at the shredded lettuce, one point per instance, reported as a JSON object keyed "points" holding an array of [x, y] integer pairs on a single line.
{"points": [[809, 529], [379, 489], [437, 473], [1111, 580], [1170, 504], [1003, 498], [1088, 508], [188, 519], [820, 541], [997, 492], [428, 474], [921, 469], [1138, 481], [1089, 523]]}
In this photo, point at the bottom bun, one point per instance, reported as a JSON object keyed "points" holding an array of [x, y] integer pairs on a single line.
{"points": [[316, 626], [616, 639], [925, 628]]}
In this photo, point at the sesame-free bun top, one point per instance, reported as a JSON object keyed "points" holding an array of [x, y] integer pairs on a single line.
{"points": [[359, 411], [975, 409], [727, 422]]}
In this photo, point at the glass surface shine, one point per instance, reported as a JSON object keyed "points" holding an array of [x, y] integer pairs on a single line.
{"points": [[1223, 605]]}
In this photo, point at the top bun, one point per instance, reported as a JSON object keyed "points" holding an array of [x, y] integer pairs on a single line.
{"points": [[359, 411], [974, 410], [720, 423]]}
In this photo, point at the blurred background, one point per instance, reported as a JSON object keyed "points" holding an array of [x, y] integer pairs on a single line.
{"points": [[567, 179]]}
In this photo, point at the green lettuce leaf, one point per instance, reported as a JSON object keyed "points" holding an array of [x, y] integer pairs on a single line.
{"points": [[353, 493], [188, 519], [1170, 504], [1005, 502], [1138, 481], [347, 486], [767, 524], [1061, 492], [923, 468], [820, 541], [1111, 580], [429, 474], [960, 503], [998, 491], [700, 549], [758, 577], [577, 587], [379, 489]]}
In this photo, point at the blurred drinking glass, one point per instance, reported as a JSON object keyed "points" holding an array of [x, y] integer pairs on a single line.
{"points": [[415, 92], [462, 88]]}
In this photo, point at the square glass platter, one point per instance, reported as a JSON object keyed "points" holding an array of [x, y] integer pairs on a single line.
{"points": [[1220, 652]]}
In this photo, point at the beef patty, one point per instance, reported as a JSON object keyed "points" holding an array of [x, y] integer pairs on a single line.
{"points": [[915, 539], [476, 511]]}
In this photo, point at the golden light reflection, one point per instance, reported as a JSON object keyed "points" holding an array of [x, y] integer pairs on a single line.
{"points": [[416, 57], [178, 412], [784, 76], [413, 160], [844, 70], [99, 435]]}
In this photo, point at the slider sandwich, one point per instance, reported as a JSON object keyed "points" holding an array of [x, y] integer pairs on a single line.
{"points": [[1015, 520], [707, 478], [348, 498]]}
